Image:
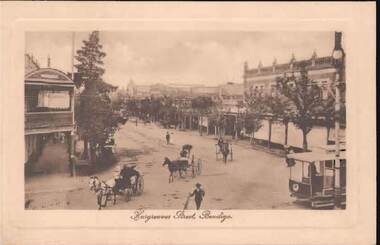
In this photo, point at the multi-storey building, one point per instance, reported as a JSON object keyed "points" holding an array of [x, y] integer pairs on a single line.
{"points": [[320, 70], [231, 97], [49, 112], [263, 78]]}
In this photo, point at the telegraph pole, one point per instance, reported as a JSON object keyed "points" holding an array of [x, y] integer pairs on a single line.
{"points": [[338, 56], [72, 133]]}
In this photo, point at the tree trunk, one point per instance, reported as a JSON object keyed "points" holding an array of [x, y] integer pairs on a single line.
{"points": [[85, 148], [236, 128], [200, 124], [286, 133], [304, 133], [328, 135], [252, 137], [269, 133], [92, 153], [208, 130]]}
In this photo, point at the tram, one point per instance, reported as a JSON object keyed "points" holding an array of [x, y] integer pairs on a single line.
{"points": [[316, 177]]}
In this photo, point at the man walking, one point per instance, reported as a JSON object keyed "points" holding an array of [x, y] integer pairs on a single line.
{"points": [[199, 193], [167, 138]]}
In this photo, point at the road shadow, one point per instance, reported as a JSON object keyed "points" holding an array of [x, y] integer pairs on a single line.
{"points": [[129, 153]]}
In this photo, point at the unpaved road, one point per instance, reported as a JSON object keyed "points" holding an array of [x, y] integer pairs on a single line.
{"points": [[253, 180]]}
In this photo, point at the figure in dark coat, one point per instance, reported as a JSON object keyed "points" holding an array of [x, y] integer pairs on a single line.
{"points": [[167, 138], [199, 193]]}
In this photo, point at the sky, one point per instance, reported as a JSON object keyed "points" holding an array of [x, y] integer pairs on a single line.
{"points": [[184, 57]]}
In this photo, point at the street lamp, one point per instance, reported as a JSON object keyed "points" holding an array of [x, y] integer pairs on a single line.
{"points": [[338, 59]]}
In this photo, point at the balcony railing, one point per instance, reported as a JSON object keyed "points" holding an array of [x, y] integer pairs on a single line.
{"points": [[48, 120]]}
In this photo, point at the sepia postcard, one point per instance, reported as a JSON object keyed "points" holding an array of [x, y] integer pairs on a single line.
{"points": [[187, 123]]}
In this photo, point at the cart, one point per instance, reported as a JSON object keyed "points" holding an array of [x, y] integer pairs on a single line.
{"points": [[218, 152]]}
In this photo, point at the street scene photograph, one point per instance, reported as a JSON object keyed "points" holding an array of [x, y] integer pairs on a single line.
{"points": [[185, 120]]}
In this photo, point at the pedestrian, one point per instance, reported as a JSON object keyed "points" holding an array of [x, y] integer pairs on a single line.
{"points": [[199, 193], [167, 138], [220, 141], [136, 121]]}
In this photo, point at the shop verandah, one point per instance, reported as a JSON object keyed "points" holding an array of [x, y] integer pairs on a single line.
{"points": [[49, 121]]}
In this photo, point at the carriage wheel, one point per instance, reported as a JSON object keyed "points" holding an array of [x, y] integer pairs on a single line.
{"points": [[193, 170], [199, 167]]}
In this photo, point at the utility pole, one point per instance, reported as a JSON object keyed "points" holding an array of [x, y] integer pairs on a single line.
{"points": [[72, 133], [338, 56]]}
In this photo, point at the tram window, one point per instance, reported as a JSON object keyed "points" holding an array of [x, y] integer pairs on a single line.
{"points": [[329, 178], [329, 164], [297, 172], [313, 167], [329, 172]]}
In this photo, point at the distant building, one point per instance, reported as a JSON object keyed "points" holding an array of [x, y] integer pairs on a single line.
{"points": [[138, 91], [208, 91], [263, 78], [176, 89], [231, 97]]}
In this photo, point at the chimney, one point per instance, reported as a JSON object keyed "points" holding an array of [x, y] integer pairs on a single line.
{"points": [[48, 61], [274, 64], [260, 66], [313, 57], [292, 60], [338, 41]]}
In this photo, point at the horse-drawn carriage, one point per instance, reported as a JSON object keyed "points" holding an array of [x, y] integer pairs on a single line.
{"points": [[185, 162], [223, 148], [128, 182]]}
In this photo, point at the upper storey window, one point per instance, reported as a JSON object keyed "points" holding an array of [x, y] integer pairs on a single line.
{"points": [[38, 100], [54, 99]]}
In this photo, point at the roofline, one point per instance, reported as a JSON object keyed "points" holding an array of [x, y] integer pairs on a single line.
{"points": [[299, 156], [47, 69], [45, 83], [254, 71]]}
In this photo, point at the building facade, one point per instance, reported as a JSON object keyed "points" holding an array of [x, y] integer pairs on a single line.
{"points": [[49, 113], [320, 70], [231, 97], [207, 91]]}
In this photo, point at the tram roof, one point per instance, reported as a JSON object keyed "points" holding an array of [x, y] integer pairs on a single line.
{"points": [[315, 156]]}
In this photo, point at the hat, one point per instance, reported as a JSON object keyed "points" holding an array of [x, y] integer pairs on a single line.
{"points": [[198, 185]]}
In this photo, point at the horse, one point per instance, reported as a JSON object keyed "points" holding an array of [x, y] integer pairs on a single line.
{"points": [[175, 166], [225, 150], [103, 189]]}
